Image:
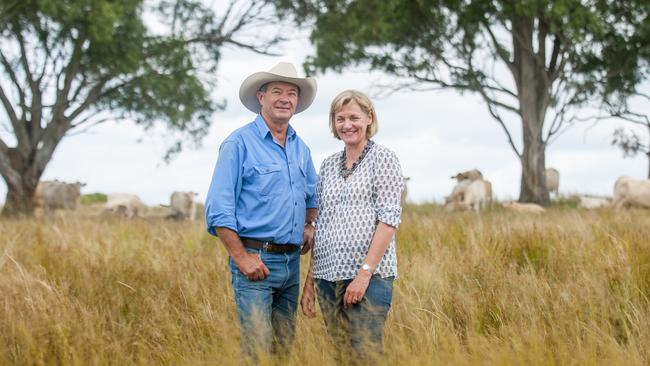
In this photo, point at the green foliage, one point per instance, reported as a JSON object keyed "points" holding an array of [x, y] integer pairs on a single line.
{"points": [[114, 66], [423, 38]]}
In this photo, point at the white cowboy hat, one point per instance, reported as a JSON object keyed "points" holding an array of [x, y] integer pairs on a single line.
{"points": [[285, 72]]}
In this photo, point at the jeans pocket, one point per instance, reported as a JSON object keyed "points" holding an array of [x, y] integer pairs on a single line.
{"points": [[380, 292]]}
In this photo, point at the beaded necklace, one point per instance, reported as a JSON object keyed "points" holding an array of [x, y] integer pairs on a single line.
{"points": [[344, 171]]}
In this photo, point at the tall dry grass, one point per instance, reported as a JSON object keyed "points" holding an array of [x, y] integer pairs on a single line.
{"points": [[568, 287]]}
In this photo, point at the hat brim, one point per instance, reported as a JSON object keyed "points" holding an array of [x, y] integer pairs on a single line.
{"points": [[250, 86]]}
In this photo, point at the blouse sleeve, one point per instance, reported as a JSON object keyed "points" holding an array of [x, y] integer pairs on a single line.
{"points": [[388, 184]]}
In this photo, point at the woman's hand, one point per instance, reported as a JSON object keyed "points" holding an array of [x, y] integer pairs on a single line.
{"points": [[357, 288], [307, 300]]}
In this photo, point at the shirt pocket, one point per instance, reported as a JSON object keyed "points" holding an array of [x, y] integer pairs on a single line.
{"points": [[266, 177]]}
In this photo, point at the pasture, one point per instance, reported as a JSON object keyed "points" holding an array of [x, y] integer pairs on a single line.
{"points": [[567, 287]]}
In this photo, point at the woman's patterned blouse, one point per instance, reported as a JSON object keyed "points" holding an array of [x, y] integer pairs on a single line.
{"points": [[349, 211]]}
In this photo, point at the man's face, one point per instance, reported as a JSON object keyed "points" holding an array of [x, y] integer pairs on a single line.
{"points": [[278, 102]]}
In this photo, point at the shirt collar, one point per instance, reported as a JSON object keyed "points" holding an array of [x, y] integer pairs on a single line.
{"points": [[263, 129]]}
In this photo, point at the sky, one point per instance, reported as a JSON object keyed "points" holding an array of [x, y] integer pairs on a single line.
{"points": [[435, 134]]}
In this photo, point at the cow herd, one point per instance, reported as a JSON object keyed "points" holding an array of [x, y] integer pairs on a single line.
{"points": [[52, 195], [471, 192]]}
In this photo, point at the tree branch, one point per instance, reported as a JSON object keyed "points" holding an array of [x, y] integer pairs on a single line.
{"points": [[14, 79], [497, 117], [554, 55], [9, 108], [93, 96], [71, 70], [500, 50]]}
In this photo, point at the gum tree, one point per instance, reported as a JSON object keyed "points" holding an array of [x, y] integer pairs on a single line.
{"points": [[531, 61], [68, 65]]}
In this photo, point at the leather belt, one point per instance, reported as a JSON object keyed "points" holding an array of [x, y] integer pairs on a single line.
{"points": [[269, 246]]}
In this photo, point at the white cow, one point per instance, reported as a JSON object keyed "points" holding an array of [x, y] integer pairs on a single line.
{"points": [[55, 194], [552, 177], [183, 205], [591, 202], [478, 194], [630, 192], [524, 207], [469, 194], [125, 204], [458, 193], [463, 180]]}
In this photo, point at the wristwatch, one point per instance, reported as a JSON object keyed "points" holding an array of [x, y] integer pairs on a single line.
{"points": [[366, 267], [312, 223]]}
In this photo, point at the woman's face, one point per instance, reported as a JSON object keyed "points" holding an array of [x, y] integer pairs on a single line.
{"points": [[351, 123]]}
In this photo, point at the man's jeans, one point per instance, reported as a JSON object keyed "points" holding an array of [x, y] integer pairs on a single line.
{"points": [[266, 309], [360, 327]]}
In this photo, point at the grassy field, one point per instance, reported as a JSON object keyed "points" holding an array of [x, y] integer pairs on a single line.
{"points": [[568, 287]]}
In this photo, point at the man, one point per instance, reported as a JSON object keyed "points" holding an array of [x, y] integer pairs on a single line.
{"points": [[262, 205]]}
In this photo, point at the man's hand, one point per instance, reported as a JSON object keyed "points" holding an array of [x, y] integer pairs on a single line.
{"points": [[251, 265], [308, 238], [307, 299]]}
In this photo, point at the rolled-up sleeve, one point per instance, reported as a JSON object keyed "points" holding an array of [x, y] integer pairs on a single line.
{"points": [[388, 184], [221, 201]]}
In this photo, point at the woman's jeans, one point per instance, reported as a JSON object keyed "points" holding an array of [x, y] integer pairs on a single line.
{"points": [[359, 327], [266, 309]]}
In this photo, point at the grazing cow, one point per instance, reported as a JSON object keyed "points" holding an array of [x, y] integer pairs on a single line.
{"points": [[183, 205], [463, 180], [473, 174], [458, 193], [552, 177], [478, 194], [125, 204], [591, 202], [469, 194], [55, 194], [524, 207], [630, 192]]}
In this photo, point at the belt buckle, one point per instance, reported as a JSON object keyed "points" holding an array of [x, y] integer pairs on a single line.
{"points": [[265, 246]]}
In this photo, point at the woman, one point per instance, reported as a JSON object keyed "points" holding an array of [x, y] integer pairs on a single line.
{"points": [[353, 260]]}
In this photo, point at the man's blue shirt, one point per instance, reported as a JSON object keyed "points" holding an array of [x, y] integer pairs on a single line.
{"points": [[260, 189]]}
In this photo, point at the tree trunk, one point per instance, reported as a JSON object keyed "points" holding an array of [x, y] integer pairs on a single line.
{"points": [[533, 177], [533, 158], [22, 176], [19, 201], [533, 88]]}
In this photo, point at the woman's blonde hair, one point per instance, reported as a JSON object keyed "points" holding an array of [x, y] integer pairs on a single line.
{"points": [[343, 99]]}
